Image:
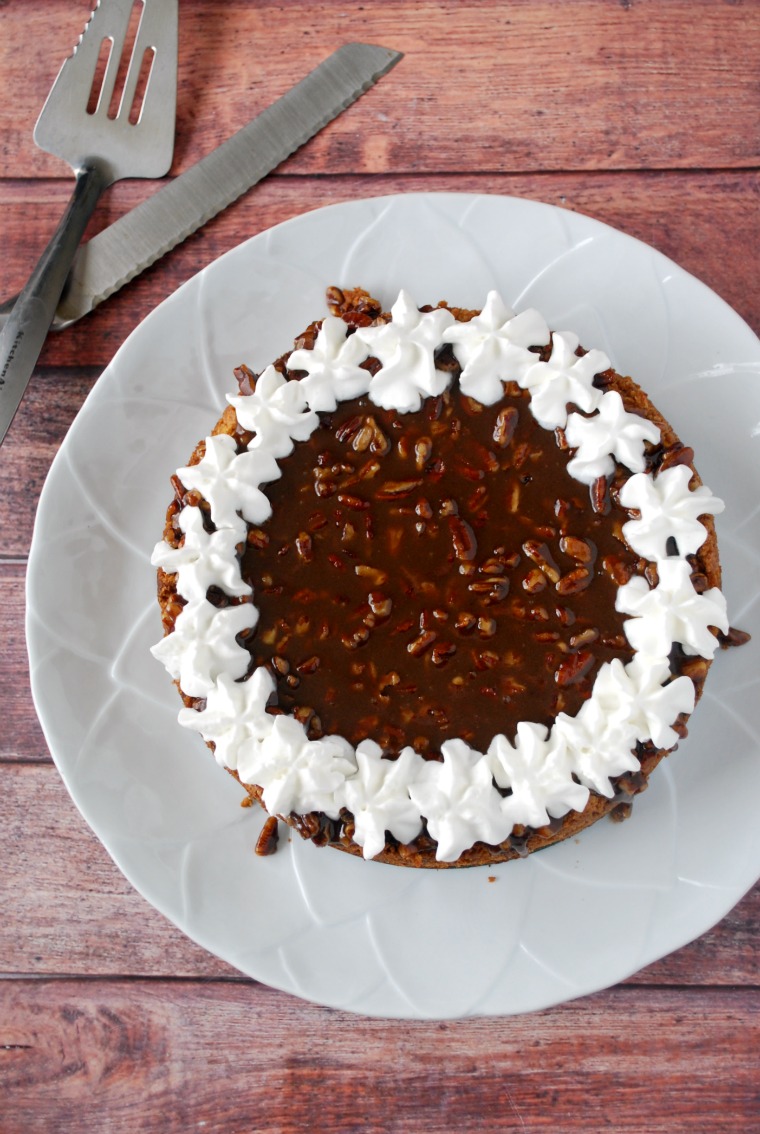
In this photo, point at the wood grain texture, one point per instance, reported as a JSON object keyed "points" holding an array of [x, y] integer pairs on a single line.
{"points": [[642, 114], [690, 217], [124, 1057], [69, 898], [51, 402], [62, 896], [21, 737], [586, 84]]}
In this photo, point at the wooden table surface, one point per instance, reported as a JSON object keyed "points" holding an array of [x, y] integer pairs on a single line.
{"points": [[645, 115]]}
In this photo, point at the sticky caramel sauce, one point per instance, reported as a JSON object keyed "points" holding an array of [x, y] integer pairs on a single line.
{"points": [[436, 574]]}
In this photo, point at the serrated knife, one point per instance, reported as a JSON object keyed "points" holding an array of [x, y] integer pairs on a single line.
{"points": [[146, 233]]}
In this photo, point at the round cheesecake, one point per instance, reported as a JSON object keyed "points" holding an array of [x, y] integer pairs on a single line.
{"points": [[440, 588]]}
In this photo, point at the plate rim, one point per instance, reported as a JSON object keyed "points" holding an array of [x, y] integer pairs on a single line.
{"points": [[31, 574]]}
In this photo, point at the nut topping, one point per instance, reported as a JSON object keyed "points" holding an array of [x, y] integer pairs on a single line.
{"points": [[422, 643], [506, 423], [268, 837], [542, 557], [425, 571], [574, 581], [463, 538], [579, 549]]}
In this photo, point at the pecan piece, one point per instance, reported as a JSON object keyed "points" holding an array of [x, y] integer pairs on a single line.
{"points": [[600, 497], [617, 569], [574, 668], [441, 652], [375, 575], [695, 668], [245, 378], [579, 549], [542, 557], [463, 538], [496, 565], [381, 604], [679, 454], [335, 300], [348, 430], [397, 489], [257, 538], [506, 423], [267, 841], [585, 638], [465, 623], [371, 437], [492, 590], [423, 450], [304, 546], [355, 502], [355, 640], [534, 581], [733, 638], [422, 643], [513, 497], [574, 581], [324, 487]]}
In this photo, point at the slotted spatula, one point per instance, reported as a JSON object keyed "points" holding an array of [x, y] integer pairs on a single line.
{"points": [[105, 132]]}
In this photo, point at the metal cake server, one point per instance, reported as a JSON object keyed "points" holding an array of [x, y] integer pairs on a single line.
{"points": [[105, 134], [176, 210]]}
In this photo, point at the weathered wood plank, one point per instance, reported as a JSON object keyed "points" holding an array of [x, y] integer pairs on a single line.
{"points": [[641, 114], [580, 85], [694, 218], [123, 1057], [61, 897], [52, 401], [21, 736]]}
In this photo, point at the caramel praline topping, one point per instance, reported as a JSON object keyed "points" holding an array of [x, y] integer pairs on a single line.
{"points": [[433, 575]]}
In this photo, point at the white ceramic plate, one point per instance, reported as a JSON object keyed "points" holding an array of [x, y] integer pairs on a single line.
{"points": [[323, 925]]}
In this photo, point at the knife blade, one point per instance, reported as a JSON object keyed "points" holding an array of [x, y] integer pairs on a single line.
{"points": [[146, 233]]}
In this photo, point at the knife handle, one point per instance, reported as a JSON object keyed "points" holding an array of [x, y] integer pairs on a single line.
{"points": [[58, 323], [27, 326]]}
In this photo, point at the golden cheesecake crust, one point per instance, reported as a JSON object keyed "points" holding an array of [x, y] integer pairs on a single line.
{"points": [[357, 308]]}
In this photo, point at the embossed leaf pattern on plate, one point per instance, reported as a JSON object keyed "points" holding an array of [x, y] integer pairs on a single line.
{"points": [[322, 925]]}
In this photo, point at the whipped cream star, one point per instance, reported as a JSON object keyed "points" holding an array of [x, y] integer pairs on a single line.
{"points": [[563, 378], [597, 748], [492, 348], [671, 612], [378, 797], [458, 800], [668, 509], [333, 373], [656, 698], [204, 559], [298, 774], [276, 412], [203, 645], [405, 347], [610, 432], [457, 796], [537, 770], [230, 482], [235, 718]]}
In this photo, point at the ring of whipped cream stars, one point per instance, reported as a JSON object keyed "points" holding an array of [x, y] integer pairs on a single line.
{"points": [[548, 772]]}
